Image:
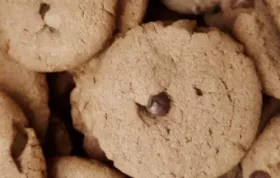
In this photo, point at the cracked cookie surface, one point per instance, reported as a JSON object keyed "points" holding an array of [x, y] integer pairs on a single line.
{"points": [[167, 102], [52, 36]]}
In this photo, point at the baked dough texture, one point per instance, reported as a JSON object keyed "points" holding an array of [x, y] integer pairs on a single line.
{"points": [[29, 89], [74, 167], [259, 34], [191, 6], [254, 26], [21, 154], [264, 155], [52, 36], [130, 13], [214, 109]]}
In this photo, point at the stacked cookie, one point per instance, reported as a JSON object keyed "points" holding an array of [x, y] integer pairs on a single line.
{"points": [[95, 90]]}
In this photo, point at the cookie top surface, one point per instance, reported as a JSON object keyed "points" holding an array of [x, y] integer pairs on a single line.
{"points": [[191, 6], [72, 167], [258, 25], [49, 36], [29, 89], [165, 101], [264, 156], [130, 13]]}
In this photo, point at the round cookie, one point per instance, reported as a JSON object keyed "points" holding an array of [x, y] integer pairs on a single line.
{"points": [[130, 13], [191, 6], [73, 167], [29, 89], [264, 155], [18, 143], [257, 31], [55, 35], [166, 102]]}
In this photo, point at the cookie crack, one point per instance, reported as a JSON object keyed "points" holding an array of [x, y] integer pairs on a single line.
{"points": [[227, 89], [107, 11]]}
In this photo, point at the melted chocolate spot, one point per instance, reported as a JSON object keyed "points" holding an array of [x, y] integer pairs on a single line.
{"points": [[260, 174]]}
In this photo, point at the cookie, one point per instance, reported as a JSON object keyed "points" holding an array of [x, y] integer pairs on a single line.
{"points": [[263, 159], [167, 102], [18, 143], [73, 167], [55, 35], [130, 13], [29, 89], [257, 31], [191, 6]]}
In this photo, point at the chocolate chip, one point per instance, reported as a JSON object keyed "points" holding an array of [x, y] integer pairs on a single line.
{"points": [[159, 104], [260, 174], [44, 8]]}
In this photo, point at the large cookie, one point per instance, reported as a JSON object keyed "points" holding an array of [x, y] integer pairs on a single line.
{"points": [[48, 35], [263, 159], [21, 155], [130, 13], [260, 36], [75, 167], [29, 89], [166, 102], [191, 6]]}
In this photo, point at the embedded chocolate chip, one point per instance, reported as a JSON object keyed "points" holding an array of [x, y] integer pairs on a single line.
{"points": [[260, 174], [159, 104], [198, 91], [44, 8]]}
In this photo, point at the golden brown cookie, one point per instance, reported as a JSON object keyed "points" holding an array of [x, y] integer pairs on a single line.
{"points": [[74, 167], [167, 102], [259, 34], [130, 13], [29, 89], [49, 36], [263, 159], [21, 155], [191, 6]]}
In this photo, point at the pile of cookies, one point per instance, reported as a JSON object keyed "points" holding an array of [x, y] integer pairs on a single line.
{"points": [[142, 89]]}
